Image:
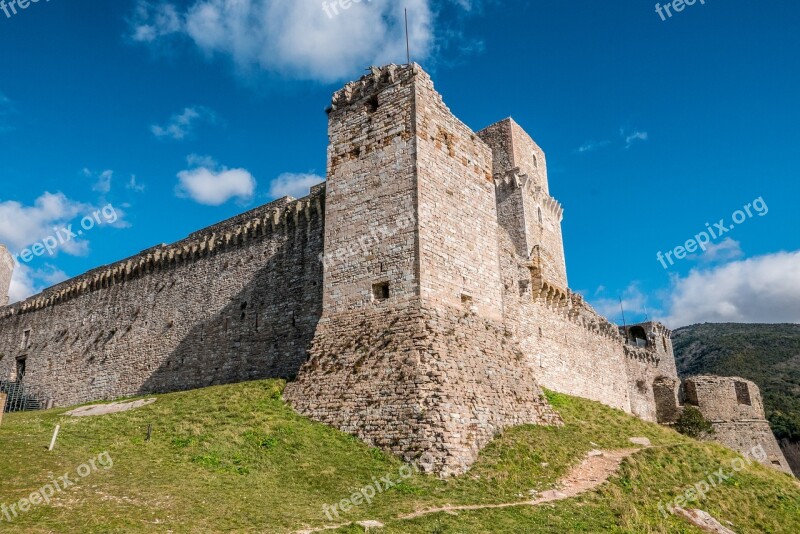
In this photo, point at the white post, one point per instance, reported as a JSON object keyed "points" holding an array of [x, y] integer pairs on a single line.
{"points": [[53, 441]]}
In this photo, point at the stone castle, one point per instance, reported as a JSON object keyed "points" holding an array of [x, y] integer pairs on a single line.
{"points": [[418, 299]]}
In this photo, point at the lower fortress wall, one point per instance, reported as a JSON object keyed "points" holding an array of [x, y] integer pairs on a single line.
{"points": [[390, 376], [744, 436], [237, 301], [568, 346]]}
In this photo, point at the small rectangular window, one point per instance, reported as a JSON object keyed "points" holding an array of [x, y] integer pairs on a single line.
{"points": [[690, 390], [26, 338], [380, 291], [742, 393]]}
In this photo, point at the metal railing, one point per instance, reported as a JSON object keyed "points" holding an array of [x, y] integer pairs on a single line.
{"points": [[21, 398]]}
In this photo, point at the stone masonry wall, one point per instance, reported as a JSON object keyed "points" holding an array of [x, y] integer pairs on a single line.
{"points": [[6, 270], [458, 251], [433, 386], [567, 345], [370, 235], [236, 301]]}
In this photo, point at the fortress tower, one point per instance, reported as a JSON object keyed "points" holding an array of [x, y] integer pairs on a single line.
{"points": [[411, 353], [525, 208], [6, 270]]}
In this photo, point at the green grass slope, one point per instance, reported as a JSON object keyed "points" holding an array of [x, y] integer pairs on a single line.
{"points": [[237, 459]]}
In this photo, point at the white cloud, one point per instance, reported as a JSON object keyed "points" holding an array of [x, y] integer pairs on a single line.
{"points": [[764, 289], [293, 185], [296, 38], [151, 22], [210, 184], [181, 125], [21, 226], [26, 282]]}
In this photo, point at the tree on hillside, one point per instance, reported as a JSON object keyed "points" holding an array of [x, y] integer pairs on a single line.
{"points": [[692, 423]]}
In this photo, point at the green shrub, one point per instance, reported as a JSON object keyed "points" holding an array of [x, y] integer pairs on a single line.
{"points": [[692, 423]]}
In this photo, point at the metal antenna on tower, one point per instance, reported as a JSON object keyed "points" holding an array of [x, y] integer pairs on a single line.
{"points": [[408, 46], [624, 324]]}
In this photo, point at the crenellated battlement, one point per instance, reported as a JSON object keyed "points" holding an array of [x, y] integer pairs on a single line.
{"points": [[370, 85], [644, 355], [515, 179], [236, 232]]}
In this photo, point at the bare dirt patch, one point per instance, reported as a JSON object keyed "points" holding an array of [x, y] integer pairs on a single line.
{"points": [[105, 409]]}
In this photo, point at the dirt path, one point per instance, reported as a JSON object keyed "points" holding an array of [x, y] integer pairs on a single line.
{"points": [[595, 469], [589, 474]]}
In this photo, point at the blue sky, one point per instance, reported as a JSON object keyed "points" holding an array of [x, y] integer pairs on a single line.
{"points": [[180, 114]]}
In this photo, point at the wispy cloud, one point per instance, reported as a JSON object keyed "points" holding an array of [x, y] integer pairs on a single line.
{"points": [[726, 250], [633, 137], [591, 146], [211, 184], [134, 186], [293, 185], [102, 181], [182, 125], [626, 138], [634, 303]]}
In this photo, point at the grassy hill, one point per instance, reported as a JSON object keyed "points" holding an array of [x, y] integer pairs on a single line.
{"points": [[236, 458], [767, 354]]}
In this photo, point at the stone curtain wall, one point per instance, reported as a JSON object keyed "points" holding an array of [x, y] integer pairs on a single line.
{"points": [[236, 301], [6, 270], [647, 366], [567, 346]]}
